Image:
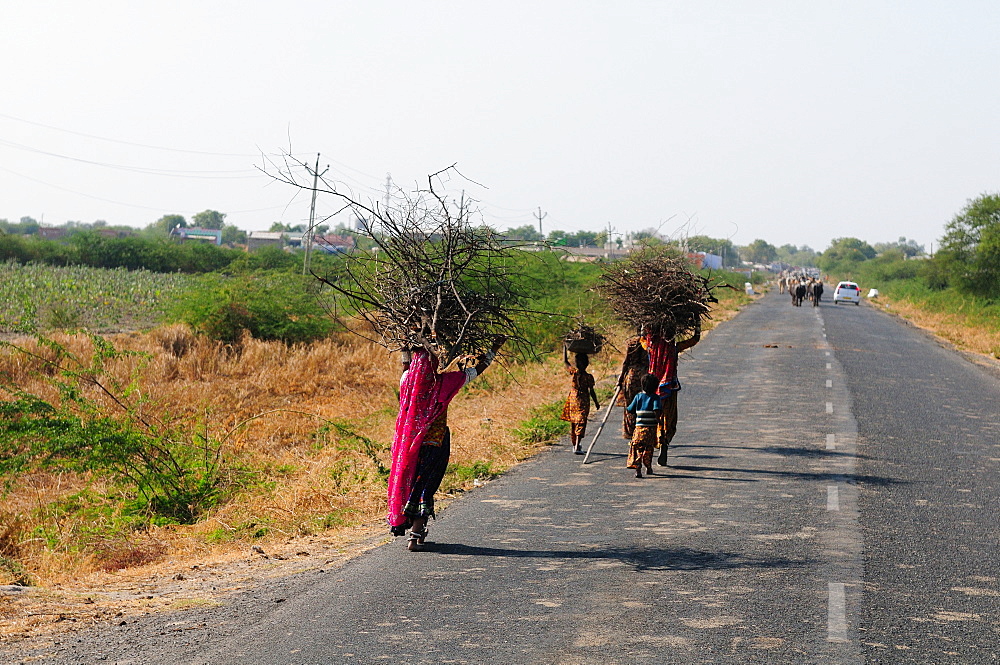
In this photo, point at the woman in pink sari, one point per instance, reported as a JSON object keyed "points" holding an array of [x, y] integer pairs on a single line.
{"points": [[422, 443]]}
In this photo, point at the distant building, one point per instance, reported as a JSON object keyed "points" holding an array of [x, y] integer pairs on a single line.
{"points": [[330, 243], [258, 239], [333, 244], [706, 261], [213, 236], [52, 232], [589, 254]]}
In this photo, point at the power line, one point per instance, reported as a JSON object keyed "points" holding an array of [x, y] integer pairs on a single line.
{"points": [[174, 173], [121, 203], [119, 141]]}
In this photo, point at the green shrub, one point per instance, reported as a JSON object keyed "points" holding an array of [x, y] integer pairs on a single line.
{"points": [[481, 470], [132, 253], [544, 425], [269, 305], [14, 572], [176, 472]]}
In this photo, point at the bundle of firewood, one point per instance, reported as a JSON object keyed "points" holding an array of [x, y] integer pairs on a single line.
{"points": [[432, 281], [584, 339], [656, 291]]}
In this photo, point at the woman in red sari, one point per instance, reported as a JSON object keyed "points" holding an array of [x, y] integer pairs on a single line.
{"points": [[422, 443], [663, 356]]}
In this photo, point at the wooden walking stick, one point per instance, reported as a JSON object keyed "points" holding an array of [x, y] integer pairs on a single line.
{"points": [[618, 389]]}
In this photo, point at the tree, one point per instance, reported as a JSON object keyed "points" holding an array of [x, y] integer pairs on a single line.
{"points": [[581, 239], [909, 248], [849, 249], [760, 251], [164, 225], [557, 237], [233, 235], [209, 219], [526, 233], [970, 248], [797, 256], [844, 252], [29, 225], [279, 227], [719, 246], [648, 236]]}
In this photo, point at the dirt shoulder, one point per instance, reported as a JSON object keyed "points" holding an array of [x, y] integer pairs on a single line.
{"points": [[176, 583]]}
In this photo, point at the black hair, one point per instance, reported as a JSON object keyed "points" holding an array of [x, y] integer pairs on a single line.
{"points": [[650, 384], [582, 361]]}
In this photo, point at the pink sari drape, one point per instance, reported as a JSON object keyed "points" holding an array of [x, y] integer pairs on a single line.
{"points": [[423, 396]]}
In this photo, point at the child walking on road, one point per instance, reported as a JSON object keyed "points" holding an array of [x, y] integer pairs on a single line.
{"points": [[647, 409], [577, 407]]}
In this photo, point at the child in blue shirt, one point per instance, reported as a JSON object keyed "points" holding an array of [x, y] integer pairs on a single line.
{"points": [[646, 407]]}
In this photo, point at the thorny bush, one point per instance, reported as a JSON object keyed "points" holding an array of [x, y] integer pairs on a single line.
{"points": [[177, 473]]}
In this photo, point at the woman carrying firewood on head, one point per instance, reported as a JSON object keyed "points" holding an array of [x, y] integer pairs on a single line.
{"points": [[577, 408], [422, 443], [634, 367], [663, 356]]}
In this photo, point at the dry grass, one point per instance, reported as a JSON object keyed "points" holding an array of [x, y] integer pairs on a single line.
{"points": [[272, 406], [317, 489], [955, 327]]}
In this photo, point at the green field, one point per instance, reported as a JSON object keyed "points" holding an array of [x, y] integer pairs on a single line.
{"points": [[43, 298]]}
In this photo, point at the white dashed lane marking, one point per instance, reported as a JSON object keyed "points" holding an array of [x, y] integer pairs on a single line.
{"points": [[831, 441], [832, 497], [836, 623], [829, 407], [829, 383]]}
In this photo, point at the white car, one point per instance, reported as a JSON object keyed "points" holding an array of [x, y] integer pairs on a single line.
{"points": [[847, 292]]}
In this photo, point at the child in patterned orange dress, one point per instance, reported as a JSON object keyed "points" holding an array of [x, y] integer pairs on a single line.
{"points": [[577, 407]]}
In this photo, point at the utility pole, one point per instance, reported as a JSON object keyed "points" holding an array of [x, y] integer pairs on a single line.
{"points": [[540, 217], [307, 239]]}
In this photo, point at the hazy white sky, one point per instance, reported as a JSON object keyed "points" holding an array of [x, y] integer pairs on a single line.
{"points": [[796, 122]]}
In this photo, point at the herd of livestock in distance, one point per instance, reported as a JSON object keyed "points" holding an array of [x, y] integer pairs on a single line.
{"points": [[801, 286]]}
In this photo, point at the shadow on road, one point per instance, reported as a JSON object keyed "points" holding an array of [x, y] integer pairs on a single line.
{"points": [[878, 481], [642, 559], [814, 453], [664, 473], [788, 451]]}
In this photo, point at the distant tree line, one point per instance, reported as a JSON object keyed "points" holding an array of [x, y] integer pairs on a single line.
{"points": [[968, 258], [88, 248]]}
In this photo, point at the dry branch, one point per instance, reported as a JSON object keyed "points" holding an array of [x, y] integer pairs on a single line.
{"points": [[584, 338], [657, 291], [433, 279]]}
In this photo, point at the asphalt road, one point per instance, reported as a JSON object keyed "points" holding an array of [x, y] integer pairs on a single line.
{"points": [[833, 498]]}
